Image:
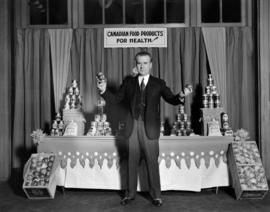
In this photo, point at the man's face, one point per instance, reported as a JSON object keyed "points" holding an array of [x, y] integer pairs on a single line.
{"points": [[144, 65]]}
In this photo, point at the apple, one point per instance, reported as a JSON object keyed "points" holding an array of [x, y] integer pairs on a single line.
{"points": [[51, 158], [33, 160], [35, 173], [43, 171], [48, 174], [45, 160], [39, 164], [50, 164], [29, 177]]}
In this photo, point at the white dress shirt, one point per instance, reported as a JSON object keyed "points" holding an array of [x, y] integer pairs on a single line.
{"points": [[145, 79]]}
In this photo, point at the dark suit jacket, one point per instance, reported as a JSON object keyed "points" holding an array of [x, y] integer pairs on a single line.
{"points": [[155, 89]]}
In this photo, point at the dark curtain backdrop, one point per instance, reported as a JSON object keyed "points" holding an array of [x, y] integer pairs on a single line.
{"points": [[33, 91], [183, 61]]}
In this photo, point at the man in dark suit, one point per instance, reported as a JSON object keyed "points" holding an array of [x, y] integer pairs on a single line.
{"points": [[142, 94]]}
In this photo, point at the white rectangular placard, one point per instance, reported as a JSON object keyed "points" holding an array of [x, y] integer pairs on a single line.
{"points": [[135, 37]]}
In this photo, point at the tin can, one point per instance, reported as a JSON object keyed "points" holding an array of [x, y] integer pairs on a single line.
{"points": [[184, 133], [181, 109], [188, 124], [74, 83], [225, 125], [182, 125], [210, 80], [108, 131], [179, 117], [185, 117], [217, 100], [77, 91], [213, 89], [211, 104], [72, 106], [70, 91], [54, 125], [97, 117], [217, 103], [67, 98], [52, 132], [100, 125], [103, 117], [208, 90], [205, 103], [204, 96], [93, 124], [106, 124], [73, 97]]}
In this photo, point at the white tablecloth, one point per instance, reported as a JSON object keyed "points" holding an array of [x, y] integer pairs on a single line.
{"points": [[87, 162]]}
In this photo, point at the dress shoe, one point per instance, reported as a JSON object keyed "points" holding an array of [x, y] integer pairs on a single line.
{"points": [[126, 200], [157, 202]]}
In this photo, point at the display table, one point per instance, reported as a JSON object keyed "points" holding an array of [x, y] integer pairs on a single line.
{"points": [[186, 163]]}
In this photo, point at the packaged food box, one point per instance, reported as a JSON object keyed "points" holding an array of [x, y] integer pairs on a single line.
{"points": [[39, 176]]}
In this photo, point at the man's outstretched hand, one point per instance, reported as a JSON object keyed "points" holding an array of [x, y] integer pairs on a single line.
{"points": [[101, 82], [187, 90]]}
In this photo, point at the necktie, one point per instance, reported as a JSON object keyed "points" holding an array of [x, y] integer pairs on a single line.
{"points": [[142, 86]]}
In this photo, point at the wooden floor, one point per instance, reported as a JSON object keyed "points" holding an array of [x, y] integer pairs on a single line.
{"points": [[12, 198]]}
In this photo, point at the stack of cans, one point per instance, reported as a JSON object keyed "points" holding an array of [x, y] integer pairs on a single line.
{"points": [[73, 98], [225, 128], [100, 126], [58, 126], [182, 126], [211, 98]]}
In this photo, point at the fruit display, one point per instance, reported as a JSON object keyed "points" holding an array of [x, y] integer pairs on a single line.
{"points": [[39, 170], [248, 175], [252, 177], [246, 153]]}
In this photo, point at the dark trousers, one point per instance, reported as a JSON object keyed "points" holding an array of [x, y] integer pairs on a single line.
{"points": [[139, 145]]}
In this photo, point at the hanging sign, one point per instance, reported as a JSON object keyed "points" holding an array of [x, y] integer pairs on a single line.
{"points": [[135, 37]]}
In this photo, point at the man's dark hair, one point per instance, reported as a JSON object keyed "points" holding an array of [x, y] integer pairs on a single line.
{"points": [[143, 53]]}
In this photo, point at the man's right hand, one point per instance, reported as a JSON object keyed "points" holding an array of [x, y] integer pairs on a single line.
{"points": [[102, 85], [101, 82]]}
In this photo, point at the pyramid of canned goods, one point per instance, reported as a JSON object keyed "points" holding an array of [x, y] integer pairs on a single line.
{"points": [[73, 98], [100, 126], [211, 98], [58, 126], [182, 126]]}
